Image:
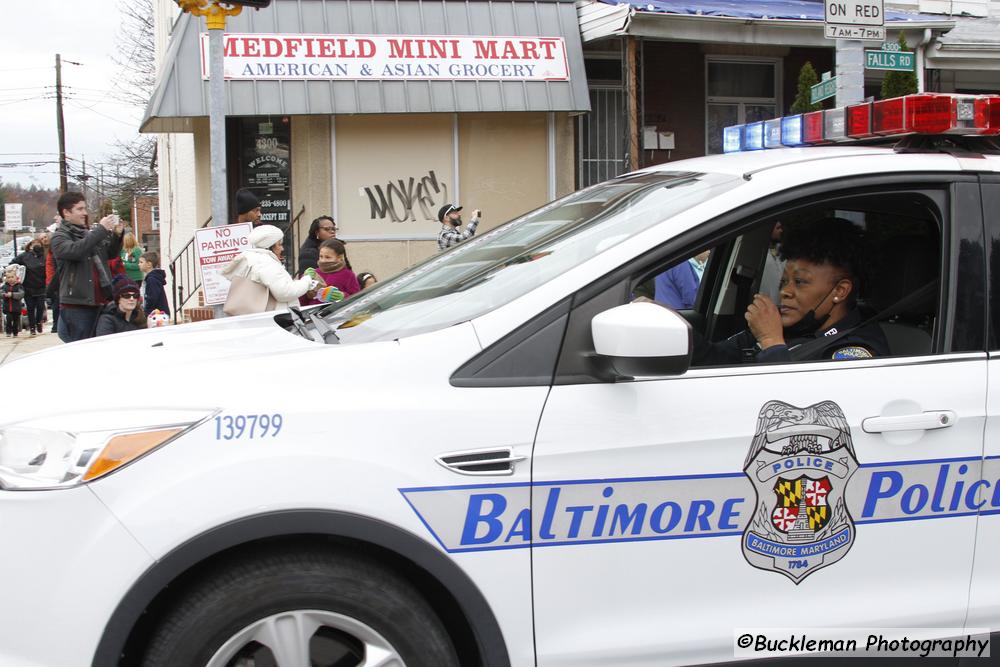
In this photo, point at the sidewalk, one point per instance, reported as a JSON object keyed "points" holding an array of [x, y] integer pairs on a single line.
{"points": [[12, 348]]}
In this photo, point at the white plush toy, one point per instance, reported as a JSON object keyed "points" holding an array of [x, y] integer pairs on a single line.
{"points": [[157, 318]]}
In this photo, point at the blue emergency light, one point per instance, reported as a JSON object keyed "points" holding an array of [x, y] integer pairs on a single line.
{"points": [[791, 130], [753, 138], [732, 139]]}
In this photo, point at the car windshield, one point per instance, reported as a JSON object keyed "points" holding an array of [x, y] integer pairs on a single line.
{"points": [[487, 271]]}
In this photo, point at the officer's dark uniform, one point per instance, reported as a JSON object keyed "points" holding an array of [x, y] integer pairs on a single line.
{"points": [[861, 343]]}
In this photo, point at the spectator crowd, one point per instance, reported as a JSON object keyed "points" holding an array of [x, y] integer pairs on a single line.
{"points": [[95, 279]]}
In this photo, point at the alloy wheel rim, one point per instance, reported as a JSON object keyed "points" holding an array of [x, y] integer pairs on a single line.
{"points": [[288, 635]]}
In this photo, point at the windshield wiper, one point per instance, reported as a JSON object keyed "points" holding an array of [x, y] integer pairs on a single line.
{"points": [[300, 325], [322, 327]]}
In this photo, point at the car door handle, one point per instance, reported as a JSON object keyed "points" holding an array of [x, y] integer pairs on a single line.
{"points": [[922, 421], [498, 461]]}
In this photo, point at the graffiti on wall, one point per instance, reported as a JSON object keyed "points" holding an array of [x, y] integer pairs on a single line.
{"points": [[399, 199]]}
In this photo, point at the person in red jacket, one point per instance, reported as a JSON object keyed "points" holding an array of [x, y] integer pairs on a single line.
{"points": [[51, 284]]}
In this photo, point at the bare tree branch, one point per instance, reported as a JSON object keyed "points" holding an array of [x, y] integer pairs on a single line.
{"points": [[134, 52]]}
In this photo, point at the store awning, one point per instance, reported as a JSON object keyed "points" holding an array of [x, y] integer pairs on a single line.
{"points": [[181, 93], [774, 22]]}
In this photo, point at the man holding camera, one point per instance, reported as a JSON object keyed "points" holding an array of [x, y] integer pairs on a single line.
{"points": [[451, 233], [81, 258]]}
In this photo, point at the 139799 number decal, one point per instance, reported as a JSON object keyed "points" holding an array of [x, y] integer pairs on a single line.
{"points": [[235, 427]]}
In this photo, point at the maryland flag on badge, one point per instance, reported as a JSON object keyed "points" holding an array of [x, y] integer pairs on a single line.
{"points": [[801, 504]]}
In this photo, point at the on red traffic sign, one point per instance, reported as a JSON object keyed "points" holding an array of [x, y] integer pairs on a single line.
{"points": [[853, 12]]}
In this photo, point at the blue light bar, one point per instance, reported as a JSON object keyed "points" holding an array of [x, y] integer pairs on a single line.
{"points": [[732, 139], [754, 136], [791, 130], [772, 133]]}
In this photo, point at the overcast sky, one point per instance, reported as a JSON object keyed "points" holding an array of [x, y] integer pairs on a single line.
{"points": [[82, 31]]}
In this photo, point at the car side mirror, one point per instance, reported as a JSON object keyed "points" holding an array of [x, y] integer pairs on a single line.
{"points": [[642, 339]]}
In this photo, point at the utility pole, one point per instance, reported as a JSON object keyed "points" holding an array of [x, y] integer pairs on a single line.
{"points": [[215, 13], [59, 125]]}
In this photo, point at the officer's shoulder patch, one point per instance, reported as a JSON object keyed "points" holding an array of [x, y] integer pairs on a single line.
{"points": [[852, 352]]}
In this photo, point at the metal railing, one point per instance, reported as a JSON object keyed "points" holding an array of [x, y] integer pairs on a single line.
{"points": [[185, 278], [185, 274]]}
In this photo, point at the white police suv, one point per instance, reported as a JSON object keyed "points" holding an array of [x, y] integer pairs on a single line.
{"points": [[505, 456]]}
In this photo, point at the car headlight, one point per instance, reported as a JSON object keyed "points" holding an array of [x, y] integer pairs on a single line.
{"points": [[76, 448]]}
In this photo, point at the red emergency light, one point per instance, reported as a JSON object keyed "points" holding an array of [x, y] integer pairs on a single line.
{"points": [[888, 116], [987, 114], [929, 113], [859, 120], [812, 128]]}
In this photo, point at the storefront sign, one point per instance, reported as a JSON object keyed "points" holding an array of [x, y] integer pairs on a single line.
{"points": [[216, 247], [391, 57]]}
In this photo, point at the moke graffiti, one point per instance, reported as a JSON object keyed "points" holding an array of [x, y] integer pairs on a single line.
{"points": [[398, 199]]}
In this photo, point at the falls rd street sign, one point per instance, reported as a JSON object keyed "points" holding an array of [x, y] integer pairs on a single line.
{"points": [[897, 61], [823, 90]]}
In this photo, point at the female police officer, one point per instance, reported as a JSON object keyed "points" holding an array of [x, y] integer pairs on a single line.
{"points": [[818, 300]]}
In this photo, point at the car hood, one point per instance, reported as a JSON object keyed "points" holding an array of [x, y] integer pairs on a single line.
{"points": [[217, 362], [162, 351]]}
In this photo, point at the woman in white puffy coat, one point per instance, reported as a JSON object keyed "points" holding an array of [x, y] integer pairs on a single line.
{"points": [[261, 263]]}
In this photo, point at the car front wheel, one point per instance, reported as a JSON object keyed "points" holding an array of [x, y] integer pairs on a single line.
{"points": [[302, 608]]}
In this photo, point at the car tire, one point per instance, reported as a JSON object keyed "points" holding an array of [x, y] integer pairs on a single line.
{"points": [[361, 607]]}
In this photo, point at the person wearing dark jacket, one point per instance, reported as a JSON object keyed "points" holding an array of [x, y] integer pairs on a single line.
{"points": [[154, 296], [81, 257], [11, 294], [321, 229], [124, 313], [33, 261], [818, 310]]}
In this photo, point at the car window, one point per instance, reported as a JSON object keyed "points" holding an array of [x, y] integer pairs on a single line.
{"points": [[890, 310], [487, 271]]}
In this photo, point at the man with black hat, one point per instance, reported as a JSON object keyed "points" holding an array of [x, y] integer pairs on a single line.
{"points": [[247, 207], [450, 218]]}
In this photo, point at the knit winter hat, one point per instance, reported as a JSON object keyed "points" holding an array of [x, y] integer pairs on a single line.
{"points": [[265, 236], [246, 201], [123, 285]]}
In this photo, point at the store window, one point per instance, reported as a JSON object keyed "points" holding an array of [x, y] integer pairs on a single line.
{"points": [[739, 91]]}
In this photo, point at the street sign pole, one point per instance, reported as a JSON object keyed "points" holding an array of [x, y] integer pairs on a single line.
{"points": [[215, 20], [850, 22], [850, 72]]}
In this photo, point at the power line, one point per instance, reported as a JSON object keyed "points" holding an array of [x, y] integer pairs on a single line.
{"points": [[117, 120]]}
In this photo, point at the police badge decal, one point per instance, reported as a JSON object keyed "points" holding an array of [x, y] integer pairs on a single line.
{"points": [[800, 462]]}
